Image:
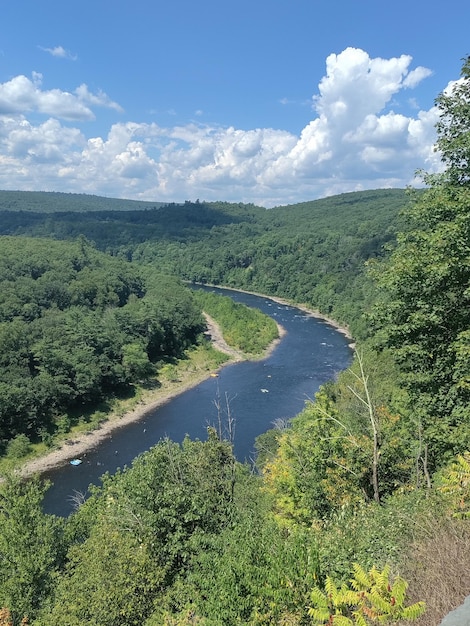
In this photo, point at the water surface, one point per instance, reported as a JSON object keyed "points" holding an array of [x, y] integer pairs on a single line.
{"points": [[311, 353]]}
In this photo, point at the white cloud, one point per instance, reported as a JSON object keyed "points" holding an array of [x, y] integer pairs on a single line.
{"points": [[416, 76], [21, 95], [59, 52], [99, 99], [354, 141]]}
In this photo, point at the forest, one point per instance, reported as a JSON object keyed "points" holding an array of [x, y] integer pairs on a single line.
{"points": [[354, 513]]}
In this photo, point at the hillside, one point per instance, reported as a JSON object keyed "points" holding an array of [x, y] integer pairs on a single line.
{"points": [[312, 252], [54, 201]]}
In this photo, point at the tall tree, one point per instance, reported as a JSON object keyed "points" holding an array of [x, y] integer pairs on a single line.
{"points": [[423, 312]]}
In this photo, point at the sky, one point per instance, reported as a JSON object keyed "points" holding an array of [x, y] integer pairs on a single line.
{"points": [[272, 102]]}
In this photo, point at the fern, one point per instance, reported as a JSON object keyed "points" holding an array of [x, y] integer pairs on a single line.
{"points": [[370, 596], [361, 579]]}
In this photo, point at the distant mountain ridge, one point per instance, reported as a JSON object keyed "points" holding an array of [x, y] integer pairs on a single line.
{"points": [[54, 201]]}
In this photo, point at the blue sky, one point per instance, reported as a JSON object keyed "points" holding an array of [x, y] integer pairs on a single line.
{"points": [[264, 101]]}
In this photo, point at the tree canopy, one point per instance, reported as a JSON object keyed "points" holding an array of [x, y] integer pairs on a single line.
{"points": [[423, 311]]}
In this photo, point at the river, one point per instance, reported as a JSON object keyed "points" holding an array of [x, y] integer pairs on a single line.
{"points": [[258, 393]]}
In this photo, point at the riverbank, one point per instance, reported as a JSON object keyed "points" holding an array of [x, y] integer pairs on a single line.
{"points": [[342, 328], [79, 443]]}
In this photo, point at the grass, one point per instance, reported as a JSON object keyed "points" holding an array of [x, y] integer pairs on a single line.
{"points": [[437, 568]]}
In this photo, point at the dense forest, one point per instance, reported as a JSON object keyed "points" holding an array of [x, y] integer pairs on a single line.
{"points": [[78, 327], [355, 513], [312, 252], [39, 201]]}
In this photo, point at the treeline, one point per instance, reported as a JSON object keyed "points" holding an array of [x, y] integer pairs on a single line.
{"points": [[313, 253], [76, 327], [54, 201]]}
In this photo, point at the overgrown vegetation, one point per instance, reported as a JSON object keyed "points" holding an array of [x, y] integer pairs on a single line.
{"points": [[245, 329], [364, 492]]}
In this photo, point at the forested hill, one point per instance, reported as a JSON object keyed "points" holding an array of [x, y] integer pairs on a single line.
{"points": [[53, 201], [312, 252]]}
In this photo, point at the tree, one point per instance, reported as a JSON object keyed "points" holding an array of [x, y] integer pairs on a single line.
{"points": [[110, 580], [364, 396], [423, 310], [31, 548], [320, 465], [141, 530], [453, 128]]}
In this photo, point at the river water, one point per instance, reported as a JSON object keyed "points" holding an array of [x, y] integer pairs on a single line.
{"points": [[258, 393]]}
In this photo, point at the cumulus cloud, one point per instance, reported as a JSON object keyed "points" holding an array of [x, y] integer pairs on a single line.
{"points": [[416, 76], [22, 95], [354, 141]]}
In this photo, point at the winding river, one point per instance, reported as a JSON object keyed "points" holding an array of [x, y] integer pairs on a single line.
{"points": [[257, 392]]}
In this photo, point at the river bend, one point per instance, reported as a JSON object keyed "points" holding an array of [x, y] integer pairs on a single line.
{"points": [[310, 353]]}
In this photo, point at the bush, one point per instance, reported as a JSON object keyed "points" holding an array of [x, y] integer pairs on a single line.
{"points": [[18, 447]]}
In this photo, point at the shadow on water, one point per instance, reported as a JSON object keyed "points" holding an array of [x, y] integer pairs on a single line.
{"points": [[311, 353]]}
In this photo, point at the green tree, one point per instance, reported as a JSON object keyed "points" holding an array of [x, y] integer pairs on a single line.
{"points": [[454, 129], [423, 312], [31, 548], [138, 533], [110, 580]]}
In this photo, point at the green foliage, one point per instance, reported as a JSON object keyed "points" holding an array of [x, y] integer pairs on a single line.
{"points": [[453, 128], [76, 327], [313, 252], [31, 548], [110, 580], [324, 461], [370, 596], [244, 328], [187, 535], [138, 533], [54, 202], [18, 447], [252, 572], [423, 312], [455, 480]]}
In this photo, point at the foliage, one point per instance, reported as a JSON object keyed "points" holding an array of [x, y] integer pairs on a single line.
{"points": [[422, 313], [31, 548], [370, 596], [453, 128], [7, 620], [334, 455], [18, 447], [455, 480], [188, 535], [54, 202], [244, 328], [147, 524], [312, 253], [109, 580], [76, 327]]}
